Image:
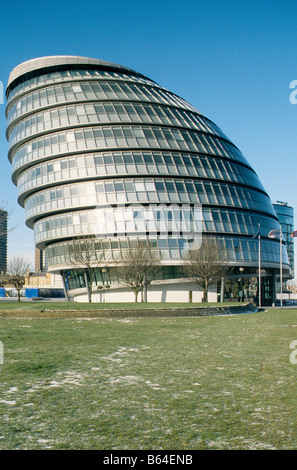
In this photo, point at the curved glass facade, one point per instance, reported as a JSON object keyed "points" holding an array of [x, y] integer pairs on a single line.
{"points": [[86, 135]]}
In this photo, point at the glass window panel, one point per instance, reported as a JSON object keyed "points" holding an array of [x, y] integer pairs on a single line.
{"points": [[98, 133], [139, 186], [148, 133], [107, 133], [150, 186], [73, 191], [108, 159], [118, 133], [170, 186], [148, 159], [128, 158], [109, 187], [180, 187], [160, 186], [118, 186], [118, 159], [190, 187], [138, 158], [129, 186], [138, 132], [98, 160]]}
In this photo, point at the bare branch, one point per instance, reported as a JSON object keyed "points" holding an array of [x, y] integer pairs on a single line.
{"points": [[17, 269], [206, 265], [137, 266], [85, 254]]}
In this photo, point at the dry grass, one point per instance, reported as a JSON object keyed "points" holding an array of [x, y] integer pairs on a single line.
{"points": [[149, 383]]}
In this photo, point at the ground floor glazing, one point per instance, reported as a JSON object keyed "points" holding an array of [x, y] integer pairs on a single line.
{"points": [[242, 285]]}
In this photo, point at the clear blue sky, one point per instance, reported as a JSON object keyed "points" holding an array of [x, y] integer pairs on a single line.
{"points": [[233, 61]]}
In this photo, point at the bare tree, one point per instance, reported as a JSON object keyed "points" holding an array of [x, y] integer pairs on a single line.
{"points": [[85, 254], [137, 267], [16, 271], [206, 265]]}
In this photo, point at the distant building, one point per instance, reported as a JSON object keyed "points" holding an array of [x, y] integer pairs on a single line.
{"points": [[43, 284], [285, 214], [40, 261], [3, 241]]}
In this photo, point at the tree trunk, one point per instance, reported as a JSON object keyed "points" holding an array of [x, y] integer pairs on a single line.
{"points": [[144, 290], [136, 294], [142, 297], [65, 287], [88, 286], [19, 295], [145, 293], [205, 293], [222, 289]]}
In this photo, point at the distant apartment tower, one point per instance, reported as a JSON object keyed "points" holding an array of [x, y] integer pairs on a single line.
{"points": [[285, 214], [40, 261], [3, 241]]}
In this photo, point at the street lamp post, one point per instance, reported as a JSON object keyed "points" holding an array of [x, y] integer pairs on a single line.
{"points": [[281, 267], [259, 237], [275, 234], [103, 270], [259, 265]]}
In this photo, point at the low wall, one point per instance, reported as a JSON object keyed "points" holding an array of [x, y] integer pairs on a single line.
{"points": [[177, 311], [127, 312]]}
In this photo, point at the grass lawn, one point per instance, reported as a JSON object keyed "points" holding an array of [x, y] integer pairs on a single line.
{"points": [[223, 382]]}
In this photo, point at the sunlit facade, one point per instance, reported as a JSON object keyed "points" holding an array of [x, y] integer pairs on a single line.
{"points": [[87, 137]]}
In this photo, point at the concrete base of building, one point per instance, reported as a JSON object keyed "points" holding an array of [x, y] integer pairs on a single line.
{"points": [[157, 292]]}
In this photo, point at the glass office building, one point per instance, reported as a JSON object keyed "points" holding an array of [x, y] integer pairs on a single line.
{"points": [[99, 149], [285, 214]]}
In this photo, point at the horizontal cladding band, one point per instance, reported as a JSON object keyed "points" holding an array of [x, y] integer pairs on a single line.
{"points": [[73, 76], [156, 162], [173, 99], [50, 64], [271, 247], [144, 126], [142, 177], [57, 96], [34, 203], [186, 123], [25, 160], [193, 117], [266, 218]]}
